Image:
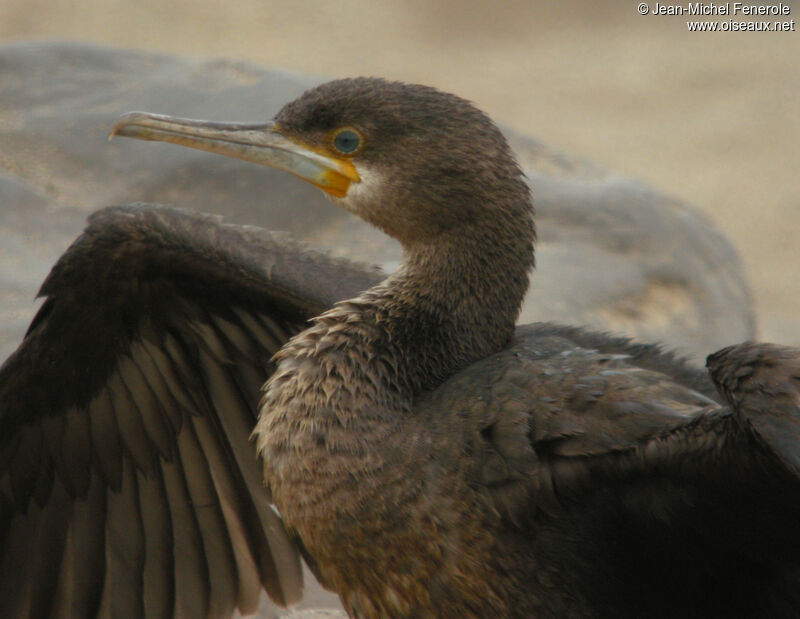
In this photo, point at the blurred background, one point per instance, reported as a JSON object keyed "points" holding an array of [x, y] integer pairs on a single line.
{"points": [[710, 117]]}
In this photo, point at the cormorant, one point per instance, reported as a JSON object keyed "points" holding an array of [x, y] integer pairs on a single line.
{"points": [[426, 458]]}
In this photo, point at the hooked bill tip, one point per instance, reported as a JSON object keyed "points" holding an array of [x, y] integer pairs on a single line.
{"points": [[124, 122]]}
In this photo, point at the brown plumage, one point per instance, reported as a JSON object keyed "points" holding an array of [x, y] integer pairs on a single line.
{"points": [[427, 459], [753, 377]]}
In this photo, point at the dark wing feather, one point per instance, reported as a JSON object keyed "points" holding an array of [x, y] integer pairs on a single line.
{"points": [[630, 481], [128, 485], [543, 408], [754, 378]]}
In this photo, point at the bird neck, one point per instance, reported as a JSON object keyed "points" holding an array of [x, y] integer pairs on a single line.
{"points": [[453, 302]]}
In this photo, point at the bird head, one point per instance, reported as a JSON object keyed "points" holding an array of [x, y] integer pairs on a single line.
{"points": [[409, 159]]}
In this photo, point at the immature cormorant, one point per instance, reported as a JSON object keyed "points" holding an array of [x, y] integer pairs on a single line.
{"points": [[427, 459]]}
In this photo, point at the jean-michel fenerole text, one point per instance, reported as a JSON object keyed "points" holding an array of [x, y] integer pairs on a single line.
{"points": [[723, 8]]}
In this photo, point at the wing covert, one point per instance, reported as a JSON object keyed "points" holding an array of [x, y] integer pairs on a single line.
{"points": [[539, 415]]}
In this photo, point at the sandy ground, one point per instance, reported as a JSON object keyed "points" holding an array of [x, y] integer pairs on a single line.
{"points": [[713, 118]]}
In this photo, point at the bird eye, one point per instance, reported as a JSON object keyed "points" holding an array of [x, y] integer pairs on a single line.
{"points": [[347, 141]]}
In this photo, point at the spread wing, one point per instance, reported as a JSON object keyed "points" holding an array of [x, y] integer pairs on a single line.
{"points": [[128, 485], [636, 481]]}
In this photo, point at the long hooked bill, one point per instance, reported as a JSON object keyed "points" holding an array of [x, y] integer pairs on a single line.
{"points": [[263, 144]]}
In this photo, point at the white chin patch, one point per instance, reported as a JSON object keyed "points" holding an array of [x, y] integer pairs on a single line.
{"points": [[363, 193]]}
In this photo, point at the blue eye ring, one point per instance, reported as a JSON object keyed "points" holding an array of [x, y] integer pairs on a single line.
{"points": [[347, 141]]}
